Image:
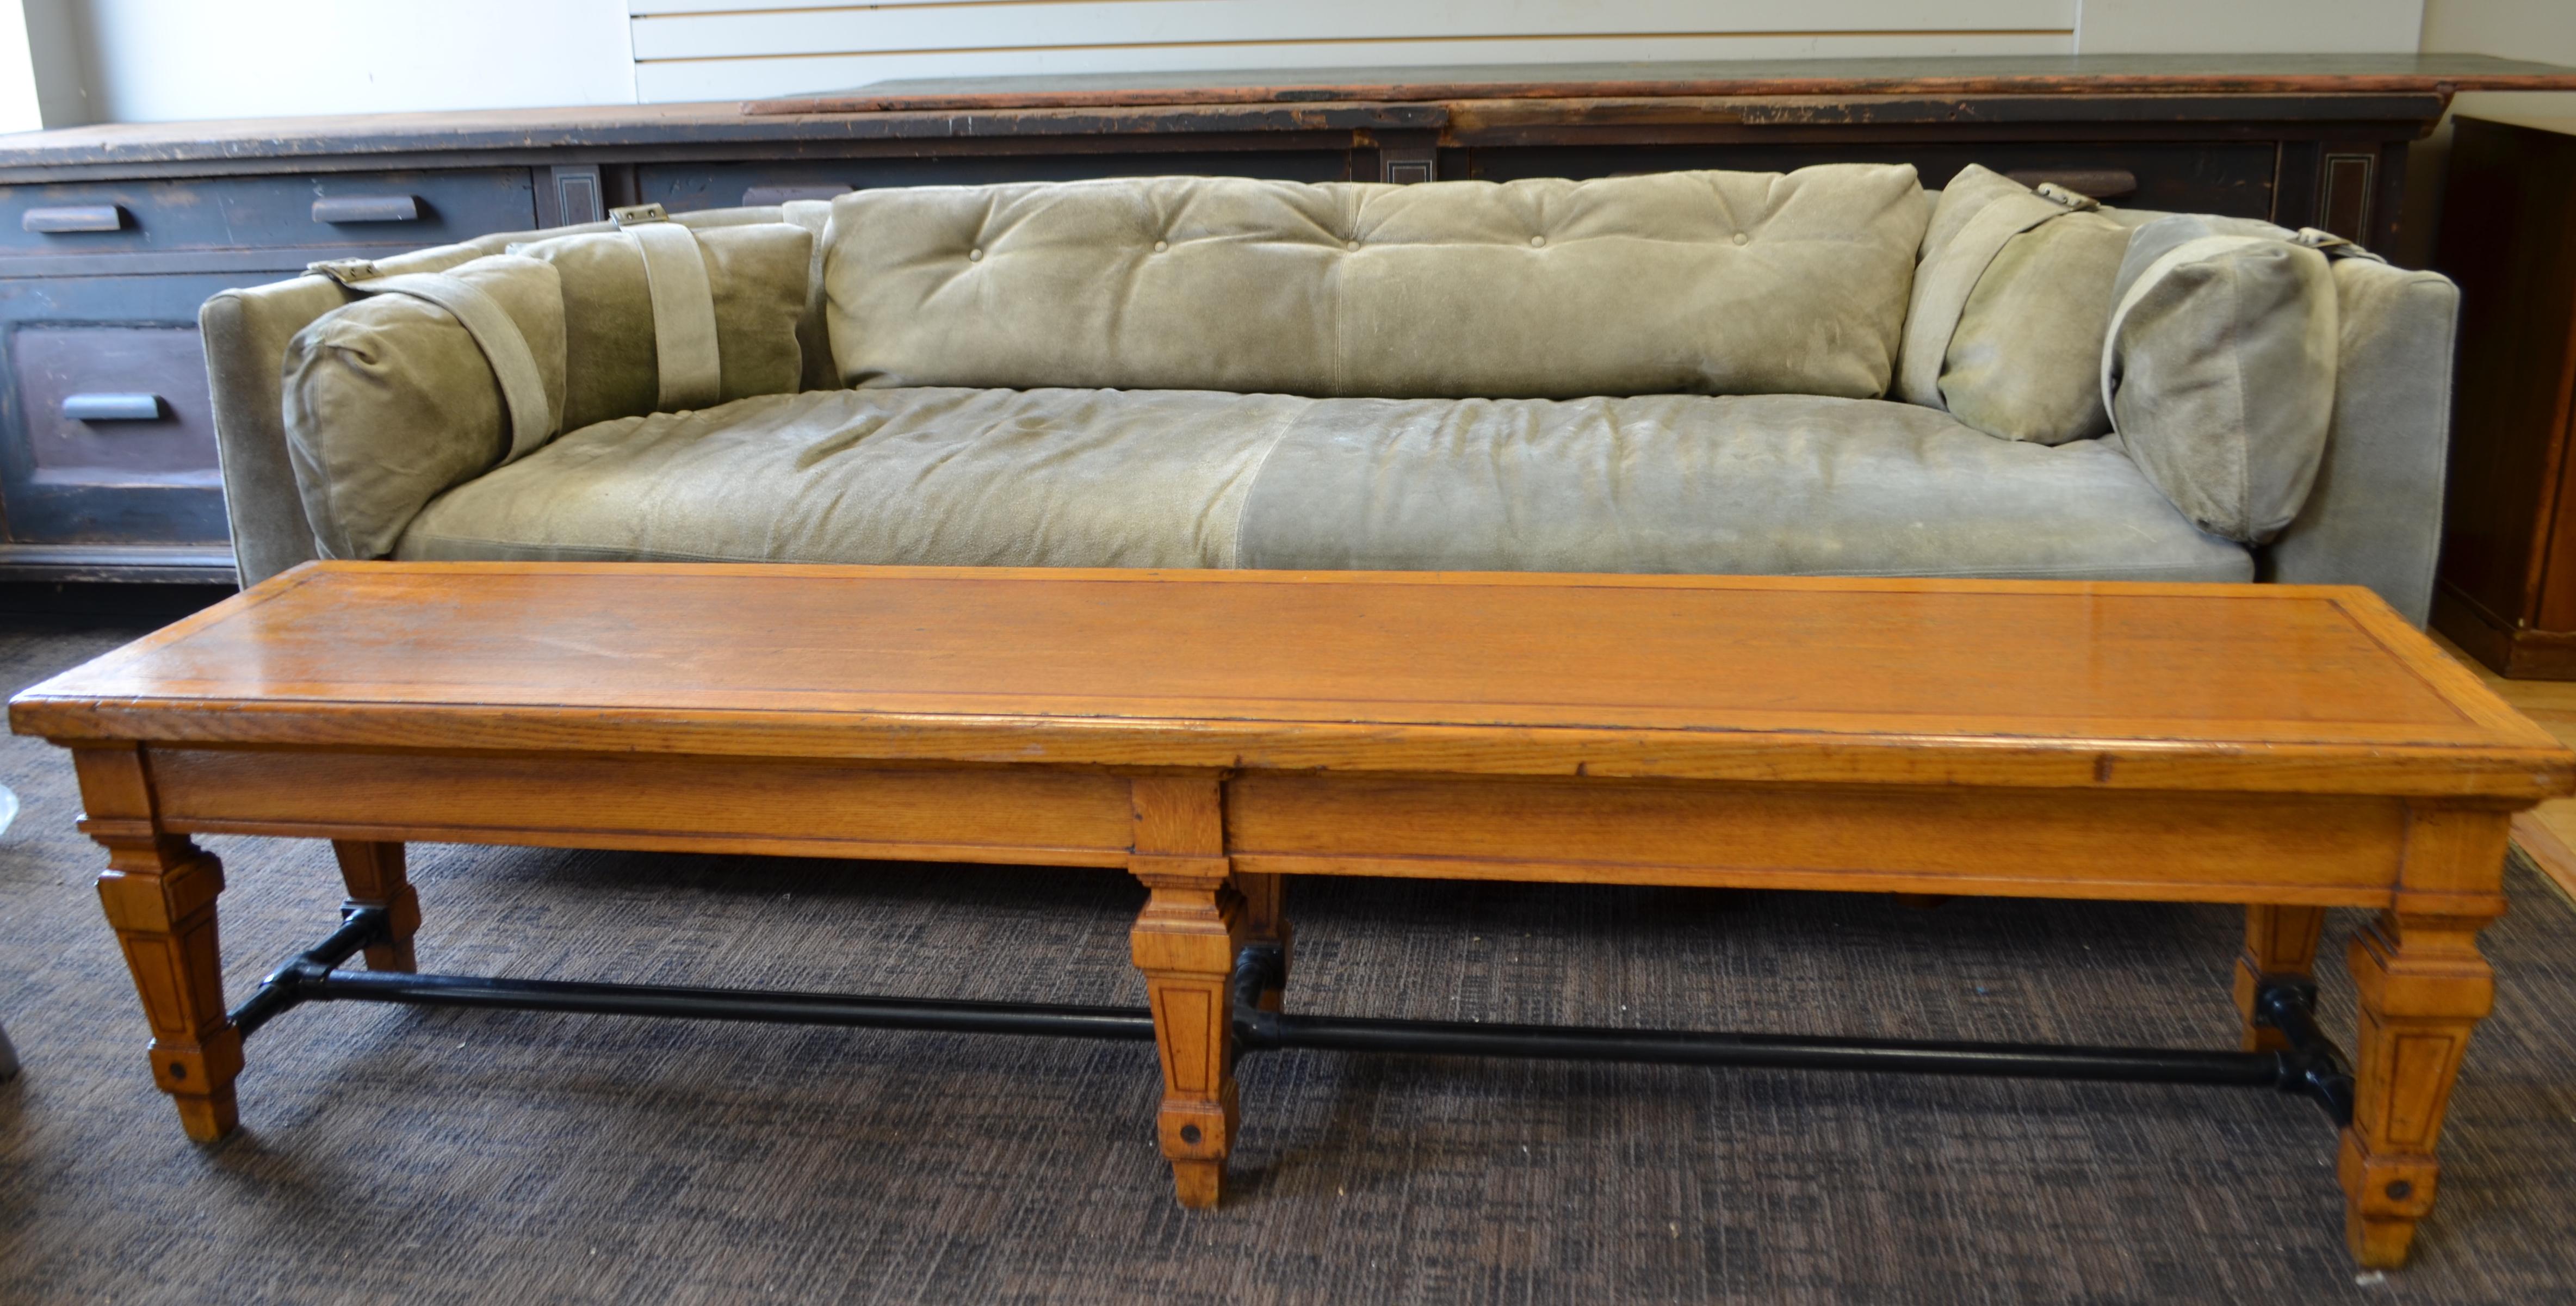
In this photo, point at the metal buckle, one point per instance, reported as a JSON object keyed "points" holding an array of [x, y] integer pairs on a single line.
{"points": [[635, 214], [2071, 200], [2332, 245], [344, 270]]}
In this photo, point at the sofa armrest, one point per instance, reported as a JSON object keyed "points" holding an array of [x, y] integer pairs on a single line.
{"points": [[2374, 517]]}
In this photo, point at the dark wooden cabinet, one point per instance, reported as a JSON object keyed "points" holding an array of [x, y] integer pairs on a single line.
{"points": [[111, 237], [2507, 591]]}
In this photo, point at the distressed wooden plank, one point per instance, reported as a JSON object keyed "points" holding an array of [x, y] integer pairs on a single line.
{"points": [[1117, 27], [2158, 74]]}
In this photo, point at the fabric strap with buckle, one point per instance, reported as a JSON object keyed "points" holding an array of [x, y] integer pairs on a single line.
{"points": [[1942, 298], [685, 351]]}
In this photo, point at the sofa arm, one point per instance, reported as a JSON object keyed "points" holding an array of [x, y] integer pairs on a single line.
{"points": [[2374, 517], [246, 332]]}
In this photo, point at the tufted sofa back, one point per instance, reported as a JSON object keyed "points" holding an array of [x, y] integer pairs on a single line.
{"points": [[1688, 282]]}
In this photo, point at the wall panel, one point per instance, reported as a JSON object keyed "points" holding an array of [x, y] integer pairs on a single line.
{"points": [[716, 49]]}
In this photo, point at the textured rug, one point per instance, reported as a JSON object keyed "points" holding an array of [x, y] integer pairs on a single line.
{"points": [[391, 1155]]}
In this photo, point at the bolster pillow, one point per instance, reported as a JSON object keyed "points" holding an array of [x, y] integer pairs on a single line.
{"points": [[2218, 369], [425, 382]]}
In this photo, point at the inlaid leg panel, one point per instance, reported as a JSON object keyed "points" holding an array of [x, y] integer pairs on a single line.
{"points": [[1184, 942], [159, 894]]}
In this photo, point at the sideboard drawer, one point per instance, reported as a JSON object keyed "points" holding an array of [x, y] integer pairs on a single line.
{"points": [[406, 209], [107, 430], [116, 405]]}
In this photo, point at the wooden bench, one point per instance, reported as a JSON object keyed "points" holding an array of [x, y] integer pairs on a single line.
{"points": [[1211, 733]]}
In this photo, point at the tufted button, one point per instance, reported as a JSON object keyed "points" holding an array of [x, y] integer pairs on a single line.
{"points": [[1742, 239], [1161, 245], [1351, 245], [1536, 241], [974, 256]]}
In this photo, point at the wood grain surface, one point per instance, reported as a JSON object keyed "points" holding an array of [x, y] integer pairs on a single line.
{"points": [[2149, 74], [1893, 681]]}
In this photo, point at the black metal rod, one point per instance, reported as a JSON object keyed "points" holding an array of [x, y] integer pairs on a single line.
{"points": [[734, 1004], [288, 985], [2313, 1066], [1263, 1030]]}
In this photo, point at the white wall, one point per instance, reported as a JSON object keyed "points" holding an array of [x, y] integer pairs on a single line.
{"points": [[2520, 29], [723, 49], [153, 60], [2248, 26], [156, 60], [719, 49], [21, 110]]}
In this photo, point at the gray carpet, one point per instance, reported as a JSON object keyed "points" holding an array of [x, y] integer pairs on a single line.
{"points": [[393, 1155]]}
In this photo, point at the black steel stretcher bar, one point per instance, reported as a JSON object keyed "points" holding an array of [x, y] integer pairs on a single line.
{"points": [[2311, 1066]]}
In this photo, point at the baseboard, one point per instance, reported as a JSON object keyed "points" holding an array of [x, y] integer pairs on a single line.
{"points": [[120, 564]]}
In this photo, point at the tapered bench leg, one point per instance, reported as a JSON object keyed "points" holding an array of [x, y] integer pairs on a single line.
{"points": [[159, 893], [2280, 943], [1265, 927], [373, 873], [1184, 942], [2422, 987]]}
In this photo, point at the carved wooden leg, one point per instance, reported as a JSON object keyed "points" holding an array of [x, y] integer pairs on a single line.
{"points": [[1265, 925], [2280, 943], [1185, 941], [373, 873], [2422, 987], [159, 891]]}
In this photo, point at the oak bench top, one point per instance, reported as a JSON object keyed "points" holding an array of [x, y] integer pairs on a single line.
{"points": [[2316, 689]]}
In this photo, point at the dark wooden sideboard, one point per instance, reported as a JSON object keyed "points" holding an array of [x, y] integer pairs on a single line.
{"points": [[2506, 590], [110, 237]]}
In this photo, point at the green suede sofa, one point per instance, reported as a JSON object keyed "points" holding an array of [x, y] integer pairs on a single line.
{"points": [[1833, 371]]}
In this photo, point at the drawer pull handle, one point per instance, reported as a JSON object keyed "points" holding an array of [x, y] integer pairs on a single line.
{"points": [[367, 208], [2094, 183], [74, 217], [113, 408]]}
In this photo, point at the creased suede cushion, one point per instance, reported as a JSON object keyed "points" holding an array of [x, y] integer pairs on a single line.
{"points": [[1680, 483], [2009, 309], [2219, 371], [1700, 282], [1041, 478], [758, 273], [388, 401], [1762, 485]]}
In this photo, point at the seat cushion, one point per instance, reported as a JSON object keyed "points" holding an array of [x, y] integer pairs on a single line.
{"points": [[1040, 478], [1790, 485], [1675, 483]]}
